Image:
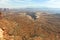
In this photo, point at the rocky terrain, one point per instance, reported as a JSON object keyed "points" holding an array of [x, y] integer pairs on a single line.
{"points": [[25, 26]]}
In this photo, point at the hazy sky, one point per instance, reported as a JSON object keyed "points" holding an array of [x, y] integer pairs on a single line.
{"points": [[29, 3]]}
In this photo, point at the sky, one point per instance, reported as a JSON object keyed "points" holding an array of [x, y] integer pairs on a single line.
{"points": [[29, 3]]}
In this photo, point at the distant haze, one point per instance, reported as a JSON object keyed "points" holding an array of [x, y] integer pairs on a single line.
{"points": [[50, 10]]}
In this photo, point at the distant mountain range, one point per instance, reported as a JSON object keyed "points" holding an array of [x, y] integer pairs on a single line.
{"points": [[51, 10]]}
